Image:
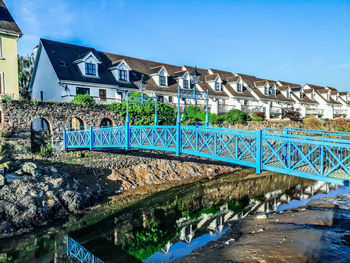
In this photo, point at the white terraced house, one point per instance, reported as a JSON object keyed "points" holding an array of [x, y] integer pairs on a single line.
{"points": [[63, 70]]}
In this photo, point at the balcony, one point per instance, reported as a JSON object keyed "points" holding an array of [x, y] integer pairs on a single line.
{"points": [[252, 109], [339, 112], [317, 112]]}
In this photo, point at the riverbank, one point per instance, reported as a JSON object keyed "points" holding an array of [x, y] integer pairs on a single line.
{"points": [[317, 232], [35, 192]]}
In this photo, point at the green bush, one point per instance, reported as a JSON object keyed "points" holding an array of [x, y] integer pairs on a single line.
{"points": [[257, 118], [84, 99], [191, 111], [192, 115], [237, 116], [143, 114]]}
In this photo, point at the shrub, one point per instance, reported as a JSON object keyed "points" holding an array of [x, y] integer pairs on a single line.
{"points": [[7, 99], [257, 118], [84, 100], [313, 123], [143, 114], [261, 115], [237, 116], [342, 124], [191, 111], [6, 130], [291, 114]]}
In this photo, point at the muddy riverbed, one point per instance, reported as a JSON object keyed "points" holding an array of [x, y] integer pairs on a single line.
{"points": [[205, 220]]}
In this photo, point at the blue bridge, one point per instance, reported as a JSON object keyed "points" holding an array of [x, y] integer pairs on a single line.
{"points": [[313, 154]]}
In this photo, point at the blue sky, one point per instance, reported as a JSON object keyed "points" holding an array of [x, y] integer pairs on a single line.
{"points": [[296, 41]]}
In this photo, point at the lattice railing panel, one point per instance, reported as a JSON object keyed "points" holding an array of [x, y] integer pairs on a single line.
{"points": [[157, 137], [78, 138], [79, 253], [230, 146], [110, 137]]}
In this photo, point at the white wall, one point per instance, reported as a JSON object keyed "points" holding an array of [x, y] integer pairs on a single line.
{"points": [[45, 79]]}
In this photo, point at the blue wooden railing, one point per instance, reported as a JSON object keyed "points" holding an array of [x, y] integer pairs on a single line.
{"points": [[79, 253], [318, 155]]}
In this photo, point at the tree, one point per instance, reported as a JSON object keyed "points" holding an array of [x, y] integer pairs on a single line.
{"points": [[25, 71]]}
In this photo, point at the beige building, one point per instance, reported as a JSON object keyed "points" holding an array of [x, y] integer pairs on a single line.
{"points": [[9, 35]]}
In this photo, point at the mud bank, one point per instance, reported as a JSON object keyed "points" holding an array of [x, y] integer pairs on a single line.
{"points": [[317, 232], [40, 191]]}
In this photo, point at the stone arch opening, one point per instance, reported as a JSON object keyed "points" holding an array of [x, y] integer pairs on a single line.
{"points": [[76, 124], [106, 122], [41, 139]]}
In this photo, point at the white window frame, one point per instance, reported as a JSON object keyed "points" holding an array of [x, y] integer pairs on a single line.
{"points": [[1, 48], [2, 79]]}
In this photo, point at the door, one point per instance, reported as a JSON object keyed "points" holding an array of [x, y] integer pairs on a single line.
{"points": [[102, 95]]}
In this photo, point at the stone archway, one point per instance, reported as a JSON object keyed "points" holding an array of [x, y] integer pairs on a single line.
{"points": [[41, 137], [76, 124], [105, 122]]}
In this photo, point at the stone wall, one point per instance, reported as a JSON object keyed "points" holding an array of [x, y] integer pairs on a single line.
{"points": [[20, 115], [259, 125]]}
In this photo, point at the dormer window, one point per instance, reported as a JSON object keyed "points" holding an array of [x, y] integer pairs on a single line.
{"points": [[239, 87], [266, 90], [301, 94], [288, 94], [122, 74], [217, 86], [90, 69], [162, 81], [185, 83], [312, 96]]}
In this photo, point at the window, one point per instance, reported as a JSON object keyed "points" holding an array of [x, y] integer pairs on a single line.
{"points": [[288, 94], [122, 75], [185, 83], [301, 94], [239, 87], [312, 96], [162, 81], [266, 90], [0, 47], [170, 99], [90, 69], [83, 91], [41, 95], [217, 86], [102, 94]]}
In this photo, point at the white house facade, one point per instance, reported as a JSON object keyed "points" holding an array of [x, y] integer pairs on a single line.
{"points": [[63, 70]]}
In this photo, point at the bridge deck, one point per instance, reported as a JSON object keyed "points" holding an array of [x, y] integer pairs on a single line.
{"points": [[323, 156]]}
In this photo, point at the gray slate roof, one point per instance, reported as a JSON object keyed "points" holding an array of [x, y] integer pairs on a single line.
{"points": [[7, 23]]}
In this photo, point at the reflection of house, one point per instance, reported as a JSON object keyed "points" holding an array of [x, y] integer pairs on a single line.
{"points": [[9, 35]]}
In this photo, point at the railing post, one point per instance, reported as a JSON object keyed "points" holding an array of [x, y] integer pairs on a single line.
{"points": [[127, 124], [92, 138], [285, 148], [65, 139], [207, 111], [178, 126], [259, 139]]}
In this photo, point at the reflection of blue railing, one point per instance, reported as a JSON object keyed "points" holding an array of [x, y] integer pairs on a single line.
{"points": [[79, 253], [325, 158]]}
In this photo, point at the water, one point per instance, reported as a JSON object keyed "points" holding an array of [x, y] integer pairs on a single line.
{"points": [[166, 225]]}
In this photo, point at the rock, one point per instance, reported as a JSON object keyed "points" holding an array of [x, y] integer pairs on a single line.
{"points": [[19, 172], [31, 168], [2, 180], [12, 176], [260, 216]]}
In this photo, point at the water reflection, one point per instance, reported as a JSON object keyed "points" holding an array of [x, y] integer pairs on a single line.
{"points": [[168, 225]]}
